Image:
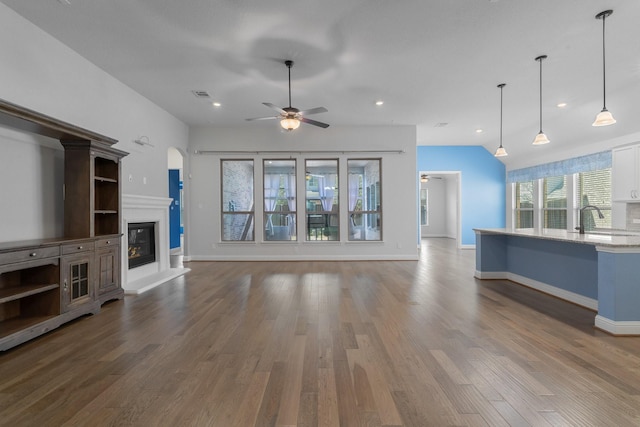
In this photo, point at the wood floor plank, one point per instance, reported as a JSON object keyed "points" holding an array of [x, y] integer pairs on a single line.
{"points": [[382, 343]]}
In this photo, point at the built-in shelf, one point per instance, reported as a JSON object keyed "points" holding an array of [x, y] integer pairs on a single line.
{"points": [[103, 179], [46, 283], [15, 325], [18, 292]]}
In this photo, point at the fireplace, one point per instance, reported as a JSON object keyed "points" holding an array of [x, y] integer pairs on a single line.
{"points": [[142, 243]]}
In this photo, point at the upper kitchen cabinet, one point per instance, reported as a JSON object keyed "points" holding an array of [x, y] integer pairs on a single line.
{"points": [[625, 180]]}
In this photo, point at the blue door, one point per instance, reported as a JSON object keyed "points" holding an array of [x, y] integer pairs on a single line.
{"points": [[174, 209]]}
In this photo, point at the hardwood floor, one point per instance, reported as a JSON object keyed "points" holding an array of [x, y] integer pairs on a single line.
{"points": [[327, 344]]}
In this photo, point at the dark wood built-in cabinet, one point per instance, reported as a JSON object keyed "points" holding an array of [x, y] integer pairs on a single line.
{"points": [[45, 283]]}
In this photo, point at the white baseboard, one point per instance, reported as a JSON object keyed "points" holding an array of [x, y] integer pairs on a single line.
{"points": [[301, 258], [618, 327], [578, 299], [149, 282]]}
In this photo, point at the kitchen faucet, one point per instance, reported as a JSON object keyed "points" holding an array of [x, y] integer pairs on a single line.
{"points": [[600, 215]]}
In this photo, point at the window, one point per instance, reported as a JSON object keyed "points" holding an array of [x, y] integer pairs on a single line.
{"points": [[554, 202], [321, 199], [424, 206], [365, 203], [237, 200], [279, 200], [524, 204], [594, 188]]}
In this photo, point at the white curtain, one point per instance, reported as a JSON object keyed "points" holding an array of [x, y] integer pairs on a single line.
{"points": [[271, 188], [290, 192], [326, 189], [354, 181]]}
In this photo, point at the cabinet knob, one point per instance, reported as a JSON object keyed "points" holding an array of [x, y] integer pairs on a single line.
{"points": [[80, 247], [108, 242], [65, 286], [32, 254]]}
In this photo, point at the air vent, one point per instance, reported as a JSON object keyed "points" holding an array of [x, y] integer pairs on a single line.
{"points": [[441, 125], [201, 94]]}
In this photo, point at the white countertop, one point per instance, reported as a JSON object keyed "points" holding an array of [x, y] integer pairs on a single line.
{"points": [[613, 238]]}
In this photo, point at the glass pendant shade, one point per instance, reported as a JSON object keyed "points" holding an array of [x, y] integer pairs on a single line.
{"points": [[501, 152], [541, 139], [604, 118], [290, 123]]}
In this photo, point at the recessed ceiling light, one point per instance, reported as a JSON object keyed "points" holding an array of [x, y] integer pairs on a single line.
{"points": [[65, 2], [561, 104], [216, 104], [479, 130], [379, 103]]}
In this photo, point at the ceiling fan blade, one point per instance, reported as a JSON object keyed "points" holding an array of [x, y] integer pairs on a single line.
{"points": [[314, 111], [275, 107], [262, 118], [314, 122]]}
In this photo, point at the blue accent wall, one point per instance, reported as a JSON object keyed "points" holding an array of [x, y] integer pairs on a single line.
{"points": [[483, 184]]}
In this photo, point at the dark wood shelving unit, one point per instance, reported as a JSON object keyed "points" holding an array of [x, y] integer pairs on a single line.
{"points": [[45, 283]]}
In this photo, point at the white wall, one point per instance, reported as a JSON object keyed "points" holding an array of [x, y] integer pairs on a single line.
{"points": [[398, 174], [40, 73], [452, 188]]}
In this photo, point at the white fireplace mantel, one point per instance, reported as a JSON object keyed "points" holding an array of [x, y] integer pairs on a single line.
{"points": [[137, 208]]}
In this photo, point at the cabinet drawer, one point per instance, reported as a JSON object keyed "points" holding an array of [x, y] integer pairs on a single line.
{"points": [[108, 242], [74, 248], [29, 254]]}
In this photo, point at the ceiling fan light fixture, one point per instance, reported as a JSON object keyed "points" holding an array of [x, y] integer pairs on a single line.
{"points": [[290, 123], [604, 117], [424, 178]]}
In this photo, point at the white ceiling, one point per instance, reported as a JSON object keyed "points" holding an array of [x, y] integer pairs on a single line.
{"points": [[431, 61]]}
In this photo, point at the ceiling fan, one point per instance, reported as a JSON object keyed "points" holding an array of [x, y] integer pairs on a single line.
{"points": [[425, 178], [290, 117]]}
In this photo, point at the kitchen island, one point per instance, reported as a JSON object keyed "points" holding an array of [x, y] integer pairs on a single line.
{"points": [[598, 270]]}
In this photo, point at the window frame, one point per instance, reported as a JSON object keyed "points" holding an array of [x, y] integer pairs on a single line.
{"points": [[225, 207], [331, 229], [546, 212], [368, 214], [291, 194]]}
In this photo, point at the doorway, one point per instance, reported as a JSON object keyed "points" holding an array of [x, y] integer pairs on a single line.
{"points": [[176, 212], [439, 204]]}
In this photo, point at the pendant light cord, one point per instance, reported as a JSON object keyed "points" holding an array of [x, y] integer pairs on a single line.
{"points": [[604, 72], [501, 86], [540, 59], [289, 66]]}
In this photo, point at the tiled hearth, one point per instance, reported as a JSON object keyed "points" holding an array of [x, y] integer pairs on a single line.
{"points": [[136, 209]]}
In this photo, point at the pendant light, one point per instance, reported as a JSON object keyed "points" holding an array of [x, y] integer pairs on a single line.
{"points": [[501, 152], [541, 138], [604, 117]]}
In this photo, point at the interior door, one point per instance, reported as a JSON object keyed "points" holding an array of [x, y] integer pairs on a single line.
{"points": [[174, 209]]}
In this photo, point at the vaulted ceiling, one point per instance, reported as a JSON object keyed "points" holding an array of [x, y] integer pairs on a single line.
{"points": [[436, 64]]}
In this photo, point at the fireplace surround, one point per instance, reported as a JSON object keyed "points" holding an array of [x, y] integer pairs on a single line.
{"points": [[148, 209]]}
